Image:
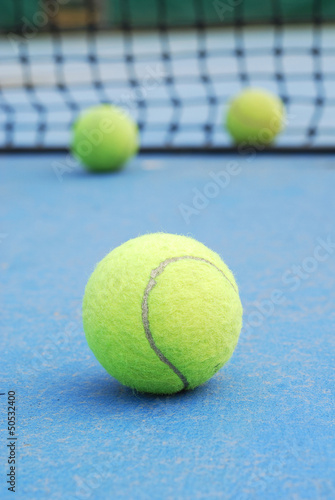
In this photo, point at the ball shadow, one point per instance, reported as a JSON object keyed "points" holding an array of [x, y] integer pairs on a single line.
{"points": [[101, 390]]}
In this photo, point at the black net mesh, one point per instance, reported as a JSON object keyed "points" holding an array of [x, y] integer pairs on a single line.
{"points": [[173, 65]]}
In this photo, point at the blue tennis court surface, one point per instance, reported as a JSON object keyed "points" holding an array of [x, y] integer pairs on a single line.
{"points": [[263, 427]]}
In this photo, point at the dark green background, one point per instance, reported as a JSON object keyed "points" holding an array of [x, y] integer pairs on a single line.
{"points": [[178, 13]]}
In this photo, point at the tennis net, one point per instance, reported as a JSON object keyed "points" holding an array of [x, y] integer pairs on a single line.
{"points": [[173, 65]]}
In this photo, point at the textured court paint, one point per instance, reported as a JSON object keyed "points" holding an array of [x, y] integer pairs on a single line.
{"points": [[263, 427]]}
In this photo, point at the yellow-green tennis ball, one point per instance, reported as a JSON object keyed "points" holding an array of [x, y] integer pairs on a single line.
{"points": [[162, 313], [104, 138], [255, 116]]}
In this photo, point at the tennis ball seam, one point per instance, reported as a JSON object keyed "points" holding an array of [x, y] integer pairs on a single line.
{"points": [[145, 309]]}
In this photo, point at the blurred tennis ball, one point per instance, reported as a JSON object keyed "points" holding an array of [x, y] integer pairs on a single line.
{"points": [[104, 138], [255, 116]]}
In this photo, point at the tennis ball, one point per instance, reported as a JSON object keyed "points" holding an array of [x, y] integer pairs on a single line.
{"points": [[104, 138], [255, 116], [162, 313]]}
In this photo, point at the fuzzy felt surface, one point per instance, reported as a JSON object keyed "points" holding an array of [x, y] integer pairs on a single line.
{"points": [[255, 116], [104, 138], [162, 313]]}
